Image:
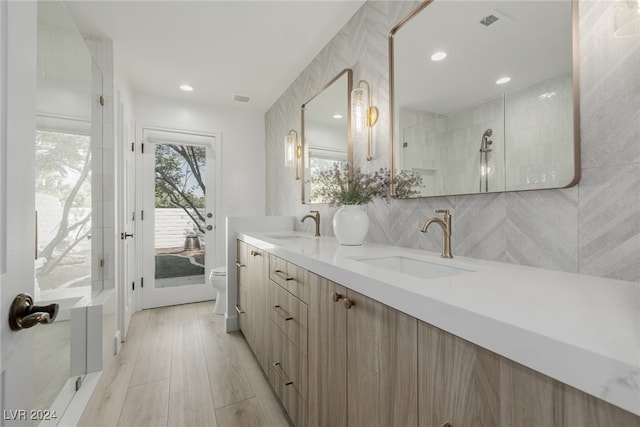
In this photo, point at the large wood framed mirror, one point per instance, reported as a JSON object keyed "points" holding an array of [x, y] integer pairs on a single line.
{"points": [[326, 131], [462, 128]]}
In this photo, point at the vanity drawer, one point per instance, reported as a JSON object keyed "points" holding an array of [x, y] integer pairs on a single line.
{"points": [[287, 374], [289, 276], [289, 314]]}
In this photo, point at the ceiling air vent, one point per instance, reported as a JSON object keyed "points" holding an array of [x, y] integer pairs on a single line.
{"points": [[488, 20], [497, 20], [241, 98]]}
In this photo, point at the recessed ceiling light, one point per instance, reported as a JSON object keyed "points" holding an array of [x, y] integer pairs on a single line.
{"points": [[337, 116], [438, 56], [503, 80], [186, 88]]}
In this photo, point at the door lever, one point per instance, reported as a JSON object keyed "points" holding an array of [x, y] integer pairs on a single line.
{"points": [[23, 314], [123, 236]]}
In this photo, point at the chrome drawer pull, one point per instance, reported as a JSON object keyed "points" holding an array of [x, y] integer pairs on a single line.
{"points": [[281, 312], [239, 264], [281, 274], [284, 379], [239, 310]]}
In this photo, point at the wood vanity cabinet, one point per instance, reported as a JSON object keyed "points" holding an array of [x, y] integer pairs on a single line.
{"points": [[252, 264], [362, 360], [463, 384], [337, 358]]}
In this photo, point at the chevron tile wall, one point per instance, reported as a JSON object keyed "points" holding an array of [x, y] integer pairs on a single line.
{"points": [[592, 228]]}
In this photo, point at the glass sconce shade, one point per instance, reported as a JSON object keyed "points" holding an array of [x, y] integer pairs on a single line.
{"points": [[289, 151], [627, 18], [359, 108], [363, 114]]}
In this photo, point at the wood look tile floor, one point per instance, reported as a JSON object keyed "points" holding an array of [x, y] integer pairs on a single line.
{"points": [[179, 368]]}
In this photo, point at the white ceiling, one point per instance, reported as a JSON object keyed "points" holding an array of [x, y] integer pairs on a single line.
{"points": [[221, 48], [530, 43]]}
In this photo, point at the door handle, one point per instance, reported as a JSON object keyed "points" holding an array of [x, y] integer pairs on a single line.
{"points": [[23, 314], [209, 227], [123, 236]]}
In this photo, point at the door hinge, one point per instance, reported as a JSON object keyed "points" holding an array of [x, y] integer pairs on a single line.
{"points": [[405, 144], [142, 215], [102, 263], [101, 100], [78, 383], [142, 282], [142, 147], [133, 285], [133, 146], [133, 216]]}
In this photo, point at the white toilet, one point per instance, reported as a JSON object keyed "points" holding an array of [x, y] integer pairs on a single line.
{"points": [[218, 279]]}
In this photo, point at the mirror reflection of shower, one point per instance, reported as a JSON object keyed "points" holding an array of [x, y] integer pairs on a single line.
{"points": [[484, 159]]}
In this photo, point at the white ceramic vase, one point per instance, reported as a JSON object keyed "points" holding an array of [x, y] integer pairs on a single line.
{"points": [[350, 224]]}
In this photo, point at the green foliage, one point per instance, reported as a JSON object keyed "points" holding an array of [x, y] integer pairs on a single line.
{"points": [[341, 186], [180, 180]]}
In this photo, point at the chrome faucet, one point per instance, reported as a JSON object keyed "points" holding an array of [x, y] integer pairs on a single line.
{"points": [[316, 218], [446, 231]]}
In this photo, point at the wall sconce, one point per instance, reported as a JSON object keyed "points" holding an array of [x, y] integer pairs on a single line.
{"points": [[292, 151], [363, 114]]}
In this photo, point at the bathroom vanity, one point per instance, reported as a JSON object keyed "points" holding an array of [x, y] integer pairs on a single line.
{"points": [[380, 335]]}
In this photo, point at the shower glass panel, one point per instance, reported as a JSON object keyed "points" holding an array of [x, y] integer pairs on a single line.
{"points": [[68, 145]]}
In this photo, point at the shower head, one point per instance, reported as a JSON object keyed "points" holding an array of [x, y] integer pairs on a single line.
{"points": [[485, 142]]}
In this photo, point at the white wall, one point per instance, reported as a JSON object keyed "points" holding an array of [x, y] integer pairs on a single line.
{"points": [[243, 150]]}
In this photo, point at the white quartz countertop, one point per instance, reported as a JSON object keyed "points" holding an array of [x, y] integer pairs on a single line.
{"points": [[581, 330]]}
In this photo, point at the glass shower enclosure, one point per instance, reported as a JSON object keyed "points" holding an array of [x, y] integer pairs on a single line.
{"points": [[69, 229]]}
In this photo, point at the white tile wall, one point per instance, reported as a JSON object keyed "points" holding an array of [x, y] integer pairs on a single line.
{"points": [[592, 228]]}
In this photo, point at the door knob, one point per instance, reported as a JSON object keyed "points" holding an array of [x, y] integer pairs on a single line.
{"points": [[209, 227], [23, 314], [348, 303]]}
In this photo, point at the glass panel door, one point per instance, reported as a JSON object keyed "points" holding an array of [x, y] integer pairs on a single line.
{"points": [[180, 176], [179, 232]]}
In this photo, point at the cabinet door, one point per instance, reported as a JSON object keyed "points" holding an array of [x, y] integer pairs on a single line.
{"points": [[382, 362], [258, 301], [528, 398], [243, 289], [327, 354], [458, 381], [581, 409]]}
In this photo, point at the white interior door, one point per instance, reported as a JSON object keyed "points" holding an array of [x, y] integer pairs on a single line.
{"points": [[179, 216], [127, 221], [17, 204]]}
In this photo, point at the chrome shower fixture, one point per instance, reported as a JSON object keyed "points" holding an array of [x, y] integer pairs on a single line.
{"points": [[484, 159], [484, 144]]}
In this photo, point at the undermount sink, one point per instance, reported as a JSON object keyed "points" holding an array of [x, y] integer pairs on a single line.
{"points": [[418, 267], [287, 236]]}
